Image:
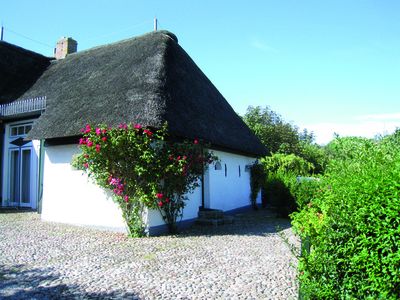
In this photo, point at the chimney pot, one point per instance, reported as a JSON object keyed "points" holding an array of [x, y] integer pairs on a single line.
{"points": [[65, 46]]}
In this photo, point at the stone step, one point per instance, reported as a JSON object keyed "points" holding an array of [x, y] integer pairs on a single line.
{"points": [[212, 214], [211, 222], [215, 222]]}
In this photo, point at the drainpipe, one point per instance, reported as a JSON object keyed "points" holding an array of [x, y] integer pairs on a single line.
{"points": [[202, 178], [40, 179]]}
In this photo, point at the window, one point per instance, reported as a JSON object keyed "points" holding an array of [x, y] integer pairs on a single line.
{"points": [[218, 166], [18, 130], [226, 171], [240, 174]]}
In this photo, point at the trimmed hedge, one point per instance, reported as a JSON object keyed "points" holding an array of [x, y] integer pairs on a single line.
{"points": [[353, 223]]}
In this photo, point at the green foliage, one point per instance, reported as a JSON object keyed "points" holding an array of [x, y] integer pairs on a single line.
{"points": [[272, 130], [279, 136], [278, 186], [143, 169], [257, 177], [314, 154], [281, 181], [353, 223], [287, 163]]}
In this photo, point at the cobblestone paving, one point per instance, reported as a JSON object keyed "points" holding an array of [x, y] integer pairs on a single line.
{"points": [[246, 260]]}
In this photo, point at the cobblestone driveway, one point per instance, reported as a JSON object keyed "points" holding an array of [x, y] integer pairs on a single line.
{"points": [[246, 260]]}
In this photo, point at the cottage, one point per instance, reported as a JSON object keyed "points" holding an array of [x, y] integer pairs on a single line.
{"points": [[149, 80]]}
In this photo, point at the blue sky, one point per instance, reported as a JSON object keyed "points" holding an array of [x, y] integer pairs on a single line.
{"points": [[329, 66]]}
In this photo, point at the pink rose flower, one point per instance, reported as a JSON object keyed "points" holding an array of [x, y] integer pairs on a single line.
{"points": [[126, 198], [89, 143], [148, 132], [98, 148], [159, 195], [87, 128], [98, 131], [138, 126], [123, 126], [195, 142], [104, 139], [160, 204]]}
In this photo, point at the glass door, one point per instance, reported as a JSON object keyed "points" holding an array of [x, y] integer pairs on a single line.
{"points": [[20, 177]]}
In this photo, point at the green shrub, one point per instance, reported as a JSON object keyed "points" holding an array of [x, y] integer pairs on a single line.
{"points": [[281, 184], [353, 223], [305, 190], [278, 190]]}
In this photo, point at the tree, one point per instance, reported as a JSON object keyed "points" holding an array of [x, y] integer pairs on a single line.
{"points": [[279, 136], [276, 134]]}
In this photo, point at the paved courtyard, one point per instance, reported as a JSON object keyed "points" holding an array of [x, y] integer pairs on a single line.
{"points": [[254, 258]]}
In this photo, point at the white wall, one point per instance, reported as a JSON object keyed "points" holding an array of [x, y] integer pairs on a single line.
{"points": [[70, 197], [231, 191], [190, 211]]}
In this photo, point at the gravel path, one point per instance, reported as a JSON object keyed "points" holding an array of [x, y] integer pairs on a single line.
{"points": [[246, 260]]}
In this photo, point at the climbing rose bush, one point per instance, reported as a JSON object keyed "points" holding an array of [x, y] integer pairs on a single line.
{"points": [[143, 169]]}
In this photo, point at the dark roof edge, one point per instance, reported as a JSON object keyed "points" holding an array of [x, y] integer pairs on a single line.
{"points": [[70, 140]]}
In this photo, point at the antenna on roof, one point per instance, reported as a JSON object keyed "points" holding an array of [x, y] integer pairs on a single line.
{"points": [[2, 32], [155, 23]]}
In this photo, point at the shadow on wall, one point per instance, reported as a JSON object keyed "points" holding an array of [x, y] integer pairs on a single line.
{"points": [[19, 282], [61, 154]]}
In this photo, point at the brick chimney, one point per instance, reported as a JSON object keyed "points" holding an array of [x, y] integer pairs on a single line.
{"points": [[65, 46]]}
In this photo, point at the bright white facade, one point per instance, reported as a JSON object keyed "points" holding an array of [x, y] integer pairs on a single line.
{"points": [[227, 185], [69, 196]]}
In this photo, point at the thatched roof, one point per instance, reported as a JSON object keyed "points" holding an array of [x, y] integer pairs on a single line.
{"points": [[148, 80], [19, 69]]}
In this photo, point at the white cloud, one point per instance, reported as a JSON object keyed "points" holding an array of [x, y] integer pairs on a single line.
{"points": [[388, 117], [324, 132]]}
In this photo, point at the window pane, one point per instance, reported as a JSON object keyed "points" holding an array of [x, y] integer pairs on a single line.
{"points": [[26, 176], [14, 177], [21, 130], [28, 128], [14, 131]]}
